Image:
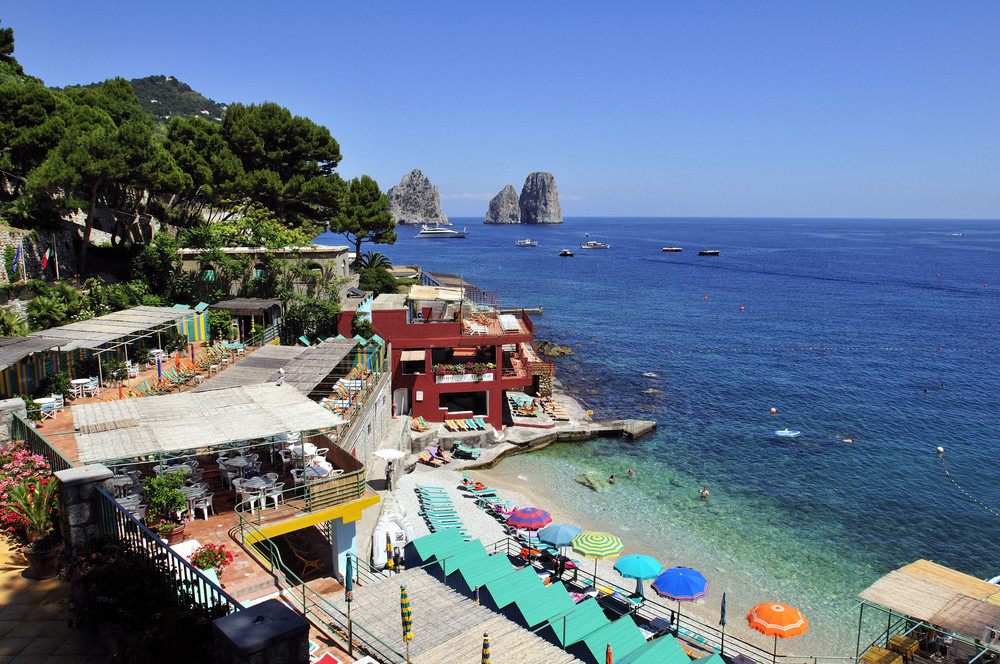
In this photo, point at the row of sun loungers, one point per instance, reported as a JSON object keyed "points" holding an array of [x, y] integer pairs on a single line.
{"points": [[554, 409], [470, 424], [438, 511]]}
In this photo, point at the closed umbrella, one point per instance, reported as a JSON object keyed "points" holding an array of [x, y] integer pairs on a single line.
{"points": [[638, 567], [774, 619], [486, 648], [681, 584], [407, 615], [722, 622], [349, 597], [390, 561], [597, 545], [608, 657]]}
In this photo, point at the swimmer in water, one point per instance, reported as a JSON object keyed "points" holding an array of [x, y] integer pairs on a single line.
{"points": [[611, 480], [703, 493], [631, 473]]}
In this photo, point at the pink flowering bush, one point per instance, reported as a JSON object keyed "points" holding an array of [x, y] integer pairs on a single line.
{"points": [[18, 465], [212, 556]]}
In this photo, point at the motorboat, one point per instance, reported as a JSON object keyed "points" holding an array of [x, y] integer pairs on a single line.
{"points": [[525, 242], [565, 252], [593, 244], [708, 252], [672, 249], [787, 433], [438, 231]]}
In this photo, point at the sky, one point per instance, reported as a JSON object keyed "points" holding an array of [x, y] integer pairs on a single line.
{"points": [[718, 108]]}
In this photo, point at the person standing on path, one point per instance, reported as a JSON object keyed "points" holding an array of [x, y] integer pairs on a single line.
{"points": [[388, 476]]}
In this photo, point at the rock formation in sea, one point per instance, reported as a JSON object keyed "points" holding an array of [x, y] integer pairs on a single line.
{"points": [[504, 208], [540, 201], [416, 201], [549, 349]]}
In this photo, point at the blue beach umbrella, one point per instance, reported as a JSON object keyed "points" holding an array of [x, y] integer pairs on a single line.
{"points": [[349, 597], [681, 584], [558, 534], [638, 567]]}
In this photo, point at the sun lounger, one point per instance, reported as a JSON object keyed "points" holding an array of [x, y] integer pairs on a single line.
{"points": [[418, 424], [423, 488], [438, 453], [429, 460]]}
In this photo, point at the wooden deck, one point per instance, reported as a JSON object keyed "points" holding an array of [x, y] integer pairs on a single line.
{"points": [[447, 627]]}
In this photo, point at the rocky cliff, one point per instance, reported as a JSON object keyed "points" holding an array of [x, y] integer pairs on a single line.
{"points": [[416, 201], [540, 201], [504, 208]]}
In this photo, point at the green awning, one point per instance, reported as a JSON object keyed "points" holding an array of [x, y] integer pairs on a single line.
{"points": [[539, 606], [665, 650], [588, 617], [506, 589], [623, 635]]}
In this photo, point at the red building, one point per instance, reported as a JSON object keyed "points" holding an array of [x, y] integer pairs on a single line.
{"points": [[454, 354]]}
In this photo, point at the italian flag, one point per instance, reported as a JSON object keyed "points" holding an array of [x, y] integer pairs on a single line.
{"points": [[45, 258]]}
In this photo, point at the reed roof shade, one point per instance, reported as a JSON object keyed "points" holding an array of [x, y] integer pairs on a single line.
{"points": [[246, 306], [412, 355], [120, 325], [15, 349], [312, 368], [260, 366], [128, 428], [940, 596]]}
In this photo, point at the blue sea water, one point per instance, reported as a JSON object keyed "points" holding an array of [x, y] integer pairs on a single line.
{"points": [[848, 328]]}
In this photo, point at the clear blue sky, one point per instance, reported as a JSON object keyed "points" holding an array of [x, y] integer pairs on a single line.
{"points": [[687, 108]]}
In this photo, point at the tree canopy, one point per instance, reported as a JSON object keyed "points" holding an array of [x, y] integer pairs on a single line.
{"points": [[365, 215]]}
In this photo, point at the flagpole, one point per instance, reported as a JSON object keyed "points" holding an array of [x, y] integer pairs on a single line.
{"points": [[55, 255], [24, 276]]}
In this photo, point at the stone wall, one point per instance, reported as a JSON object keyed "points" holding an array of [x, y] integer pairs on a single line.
{"points": [[78, 516], [34, 250], [7, 409], [372, 422]]}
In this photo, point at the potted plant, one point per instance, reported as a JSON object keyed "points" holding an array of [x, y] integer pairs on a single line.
{"points": [[34, 502], [212, 557], [166, 502]]}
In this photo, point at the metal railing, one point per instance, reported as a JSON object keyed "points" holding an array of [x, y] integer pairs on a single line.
{"points": [[310, 496], [186, 581], [314, 604], [21, 429]]}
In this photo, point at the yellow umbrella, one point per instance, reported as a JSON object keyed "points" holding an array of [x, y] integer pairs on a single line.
{"points": [[404, 608]]}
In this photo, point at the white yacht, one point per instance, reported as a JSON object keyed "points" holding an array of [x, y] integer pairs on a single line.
{"points": [[438, 231]]}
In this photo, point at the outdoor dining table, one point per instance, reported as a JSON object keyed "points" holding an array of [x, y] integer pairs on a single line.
{"points": [[191, 494], [310, 450], [322, 471], [179, 468], [258, 483], [78, 384]]}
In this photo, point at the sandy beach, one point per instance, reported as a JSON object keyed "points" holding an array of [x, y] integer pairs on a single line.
{"points": [[531, 488]]}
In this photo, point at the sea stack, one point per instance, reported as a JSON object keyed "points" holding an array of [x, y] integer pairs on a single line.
{"points": [[540, 201], [415, 201], [504, 208]]}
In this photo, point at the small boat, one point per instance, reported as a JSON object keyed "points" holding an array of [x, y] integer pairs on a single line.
{"points": [[565, 252], [709, 252], [650, 374], [525, 242], [672, 249], [438, 231], [594, 245], [787, 433]]}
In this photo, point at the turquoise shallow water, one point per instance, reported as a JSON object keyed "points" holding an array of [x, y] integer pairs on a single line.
{"points": [[848, 329]]}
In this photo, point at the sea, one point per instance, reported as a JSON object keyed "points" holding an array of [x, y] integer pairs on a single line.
{"points": [[876, 339]]}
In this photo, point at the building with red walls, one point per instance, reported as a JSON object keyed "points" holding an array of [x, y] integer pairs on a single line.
{"points": [[454, 354]]}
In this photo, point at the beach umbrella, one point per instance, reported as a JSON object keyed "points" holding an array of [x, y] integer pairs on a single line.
{"points": [[349, 597], [558, 534], [389, 455], [529, 518], [486, 648], [774, 619], [159, 370], [681, 584], [722, 622], [597, 545], [638, 567], [389, 561], [407, 615]]}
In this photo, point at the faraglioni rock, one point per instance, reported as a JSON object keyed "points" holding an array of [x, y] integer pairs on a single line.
{"points": [[416, 201], [540, 201], [504, 208]]}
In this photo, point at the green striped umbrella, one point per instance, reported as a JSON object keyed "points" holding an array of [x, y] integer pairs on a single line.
{"points": [[597, 545], [404, 609], [486, 648]]}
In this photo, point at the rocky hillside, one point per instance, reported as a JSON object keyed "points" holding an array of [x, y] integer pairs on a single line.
{"points": [[415, 201], [538, 204]]}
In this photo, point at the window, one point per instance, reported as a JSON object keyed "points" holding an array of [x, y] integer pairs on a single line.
{"points": [[259, 271], [208, 274]]}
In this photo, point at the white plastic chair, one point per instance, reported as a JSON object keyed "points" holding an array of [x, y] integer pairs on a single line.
{"points": [[60, 401], [250, 497], [204, 504], [286, 459], [275, 494], [297, 476]]}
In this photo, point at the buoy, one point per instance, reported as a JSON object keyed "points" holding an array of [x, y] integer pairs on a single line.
{"points": [[848, 440], [774, 411], [940, 451], [590, 412], [706, 297], [741, 308], [985, 285]]}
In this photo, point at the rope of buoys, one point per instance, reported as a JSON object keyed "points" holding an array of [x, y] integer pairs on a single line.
{"points": [[960, 488]]}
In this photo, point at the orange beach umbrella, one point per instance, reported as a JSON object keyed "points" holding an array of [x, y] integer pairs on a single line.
{"points": [[774, 619]]}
